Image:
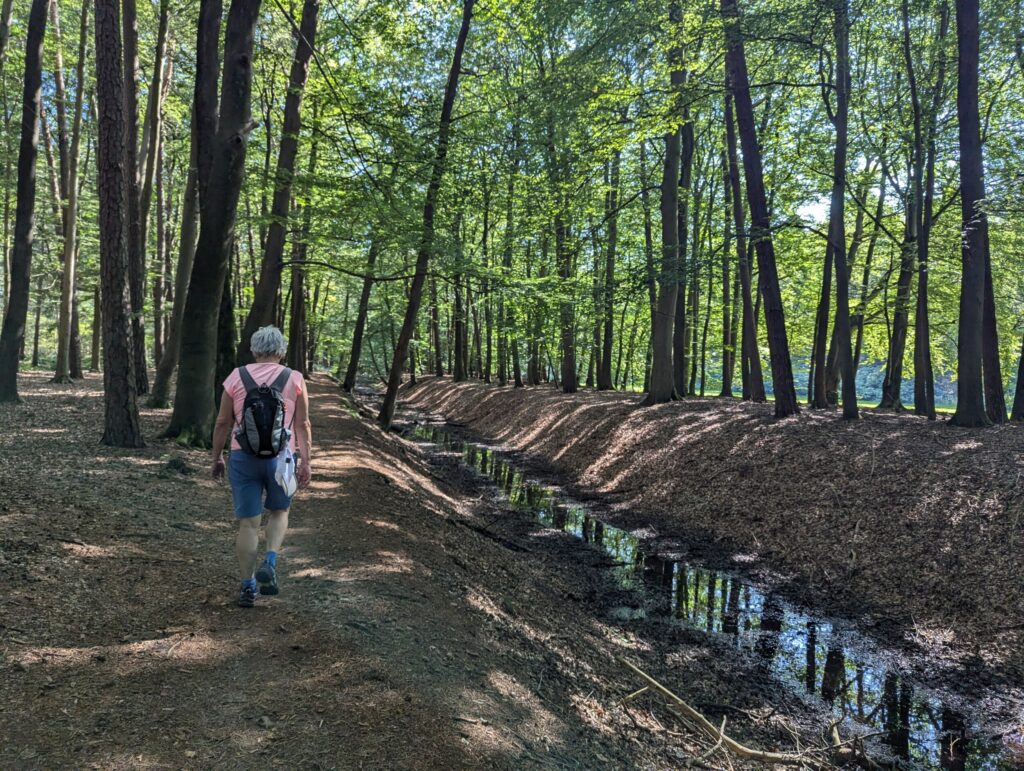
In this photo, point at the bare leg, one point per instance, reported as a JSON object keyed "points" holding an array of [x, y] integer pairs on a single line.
{"points": [[246, 542], [277, 524]]}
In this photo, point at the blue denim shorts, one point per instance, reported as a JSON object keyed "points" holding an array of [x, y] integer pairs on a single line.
{"points": [[250, 479]]}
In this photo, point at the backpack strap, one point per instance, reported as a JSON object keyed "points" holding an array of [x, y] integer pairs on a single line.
{"points": [[247, 380], [282, 379], [248, 383], [279, 384]]}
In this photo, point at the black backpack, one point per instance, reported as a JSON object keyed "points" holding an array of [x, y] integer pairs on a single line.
{"points": [[261, 430]]}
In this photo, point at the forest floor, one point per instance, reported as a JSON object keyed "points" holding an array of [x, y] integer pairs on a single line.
{"points": [[911, 528], [418, 626]]}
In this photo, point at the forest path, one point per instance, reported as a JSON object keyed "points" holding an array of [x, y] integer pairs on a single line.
{"points": [[401, 639]]}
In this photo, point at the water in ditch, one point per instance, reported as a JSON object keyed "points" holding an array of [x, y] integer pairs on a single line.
{"points": [[814, 656]]}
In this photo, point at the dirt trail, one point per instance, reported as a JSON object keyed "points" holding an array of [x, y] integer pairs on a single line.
{"points": [[403, 637]]}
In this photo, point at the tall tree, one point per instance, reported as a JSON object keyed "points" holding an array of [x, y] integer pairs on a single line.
{"points": [[778, 342], [662, 385], [13, 335], [160, 393], [262, 311], [62, 372], [750, 356], [604, 372], [970, 403], [136, 252], [361, 313], [192, 418], [836, 249], [387, 411], [121, 416]]}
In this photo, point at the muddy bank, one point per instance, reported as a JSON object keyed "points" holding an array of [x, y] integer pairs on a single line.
{"points": [[909, 526]]}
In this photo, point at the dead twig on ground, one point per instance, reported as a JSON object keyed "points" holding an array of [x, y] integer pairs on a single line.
{"points": [[677, 705]]}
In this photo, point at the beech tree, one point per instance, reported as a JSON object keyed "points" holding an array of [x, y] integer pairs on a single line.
{"points": [[423, 255], [970, 404], [222, 143], [12, 336]]}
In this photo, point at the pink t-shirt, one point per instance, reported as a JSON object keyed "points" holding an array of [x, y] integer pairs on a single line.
{"points": [[267, 373]]}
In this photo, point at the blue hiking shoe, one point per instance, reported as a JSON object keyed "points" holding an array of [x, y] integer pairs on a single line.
{"points": [[247, 596], [266, 578]]}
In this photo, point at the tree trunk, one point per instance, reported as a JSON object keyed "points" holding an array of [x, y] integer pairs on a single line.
{"points": [[121, 419], [662, 383], [423, 255], [768, 279], [1018, 395], [13, 335], [727, 309], [298, 347], [435, 330], [75, 356], [297, 314], [38, 316], [924, 380], [970, 403], [995, 399], [364, 308], [682, 328], [193, 413], [136, 251], [862, 302], [161, 275], [750, 356], [97, 325], [262, 311], [160, 395], [604, 373], [69, 194], [837, 228], [226, 338], [485, 287]]}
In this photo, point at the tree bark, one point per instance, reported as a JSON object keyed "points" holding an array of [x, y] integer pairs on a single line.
{"points": [[662, 385], [682, 329], [727, 331], [361, 314], [426, 247], [970, 403], [604, 373], [193, 413], [97, 328], [750, 356], [151, 134], [924, 142], [837, 219], [778, 343], [121, 418], [262, 311], [160, 394], [136, 252], [1018, 395], [62, 373], [13, 335], [161, 273], [504, 321]]}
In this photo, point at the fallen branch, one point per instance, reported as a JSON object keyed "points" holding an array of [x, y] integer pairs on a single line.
{"points": [[709, 730]]}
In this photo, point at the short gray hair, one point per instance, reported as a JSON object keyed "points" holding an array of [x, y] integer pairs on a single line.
{"points": [[268, 341]]}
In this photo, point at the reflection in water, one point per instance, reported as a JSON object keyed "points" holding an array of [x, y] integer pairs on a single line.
{"points": [[788, 643]]}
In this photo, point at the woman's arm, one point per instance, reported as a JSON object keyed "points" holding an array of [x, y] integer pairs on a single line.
{"points": [[304, 436], [221, 431]]}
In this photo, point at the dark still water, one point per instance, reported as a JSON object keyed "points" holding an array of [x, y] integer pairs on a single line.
{"points": [[816, 657]]}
